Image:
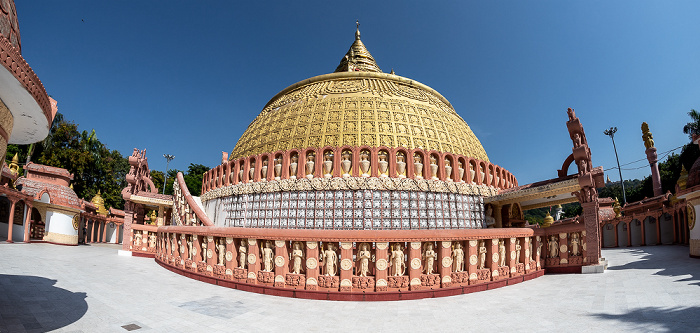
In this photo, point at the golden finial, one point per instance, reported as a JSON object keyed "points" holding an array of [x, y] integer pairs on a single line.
{"points": [[14, 165], [616, 208], [99, 203], [548, 220], [646, 136], [683, 178], [357, 32], [392, 72]]}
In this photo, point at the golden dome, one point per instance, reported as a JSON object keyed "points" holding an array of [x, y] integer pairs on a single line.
{"points": [[99, 203], [355, 107]]}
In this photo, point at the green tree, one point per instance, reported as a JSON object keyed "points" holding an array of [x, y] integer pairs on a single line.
{"points": [[193, 178], [692, 127]]}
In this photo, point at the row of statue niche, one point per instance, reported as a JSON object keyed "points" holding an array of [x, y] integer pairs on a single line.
{"points": [[553, 245], [365, 166], [138, 239]]}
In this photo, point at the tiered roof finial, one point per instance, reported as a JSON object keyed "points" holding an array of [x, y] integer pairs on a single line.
{"points": [[358, 58]]}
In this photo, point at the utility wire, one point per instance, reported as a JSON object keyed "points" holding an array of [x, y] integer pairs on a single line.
{"points": [[664, 154]]}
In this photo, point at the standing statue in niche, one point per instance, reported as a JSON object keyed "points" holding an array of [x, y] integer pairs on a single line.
{"points": [[458, 258], [204, 249], [429, 256], [575, 244], [189, 247], [539, 247], [398, 266], [482, 255], [490, 220], [151, 240], [297, 258], [501, 253], [221, 251], [293, 167], [330, 260], [310, 165], [553, 247], [267, 256], [137, 238], [363, 256], [517, 250], [529, 247], [242, 254]]}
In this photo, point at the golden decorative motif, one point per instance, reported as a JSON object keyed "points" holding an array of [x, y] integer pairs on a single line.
{"points": [[691, 217], [323, 111], [647, 136], [76, 221]]}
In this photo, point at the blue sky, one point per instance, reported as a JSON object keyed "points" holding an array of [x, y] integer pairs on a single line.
{"points": [[187, 77]]}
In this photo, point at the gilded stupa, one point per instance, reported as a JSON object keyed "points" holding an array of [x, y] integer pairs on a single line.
{"points": [[100, 204], [359, 105]]}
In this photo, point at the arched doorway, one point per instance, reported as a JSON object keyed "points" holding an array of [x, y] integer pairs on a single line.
{"points": [[37, 226], [622, 239], [609, 235], [666, 227], [636, 233], [650, 232]]}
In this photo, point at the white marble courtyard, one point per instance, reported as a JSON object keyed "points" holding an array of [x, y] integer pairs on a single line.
{"points": [[47, 287]]}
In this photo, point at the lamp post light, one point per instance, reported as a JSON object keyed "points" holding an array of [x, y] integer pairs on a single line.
{"points": [[611, 133], [168, 158]]}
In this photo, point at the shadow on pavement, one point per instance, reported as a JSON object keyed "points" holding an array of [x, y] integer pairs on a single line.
{"points": [[34, 304], [667, 259], [659, 319]]}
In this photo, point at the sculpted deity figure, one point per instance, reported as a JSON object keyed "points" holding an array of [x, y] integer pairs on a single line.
{"points": [[293, 166], [346, 163], [529, 247], [189, 247], [501, 253], [383, 164], [173, 245], [363, 256], [401, 165], [328, 164], [364, 163], [267, 257], [458, 258], [429, 256], [482, 255], [263, 171], [433, 168], [418, 166], [278, 168], [582, 167], [553, 247], [571, 113], [330, 260], [575, 244], [310, 165], [152, 240], [517, 250], [397, 260], [297, 257], [577, 140], [448, 170], [539, 247], [221, 250], [490, 220], [137, 238], [242, 254], [203, 255]]}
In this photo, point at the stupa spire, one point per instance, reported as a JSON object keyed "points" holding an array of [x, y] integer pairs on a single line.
{"points": [[358, 58]]}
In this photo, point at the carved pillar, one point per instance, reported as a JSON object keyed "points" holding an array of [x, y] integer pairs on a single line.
{"points": [[564, 248], [445, 262], [211, 252], [617, 237], [346, 265], [381, 265], [525, 253], [104, 231], [644, 232], [11, 220], [116, 233], [492, 257], [471, 259], [27, 222], [312, 265], [253, 260], [537, 248], [511, 255], [655, 177], [498, 216], [184, 249], [414, 265], [281, 263], [591, 220]]}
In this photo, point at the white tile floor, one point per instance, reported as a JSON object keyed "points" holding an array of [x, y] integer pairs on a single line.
{"points": [[90, 289]]}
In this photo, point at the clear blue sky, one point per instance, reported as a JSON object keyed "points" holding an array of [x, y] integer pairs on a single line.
{"points": [[187, 77]]}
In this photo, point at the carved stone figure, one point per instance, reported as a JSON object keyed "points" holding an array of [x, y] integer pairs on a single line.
{"points": [[647, 136], [328, 164], [310, 165], [364, 163], [330, 260], [575, 244], [398, 266], [582, 167], [418, 166], [189, 247], [267, 256], [383, 164], [482, 255], [293, 167], [152, 240], [517, 250], [204, 249], [448, 170], [363, 256], [458, 258], [221, 251], [577, 140], [553, 247], [297, 257], [346, 163], [529, 247], [400, 165], [501, 253], [429, 256], [137, 238], [263, 171], [539, 247], [278, 168], [242, 254], [490, 220]]}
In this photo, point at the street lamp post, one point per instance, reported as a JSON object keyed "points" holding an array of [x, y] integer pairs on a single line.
{"points": [[168, 158], [611, 133]]}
